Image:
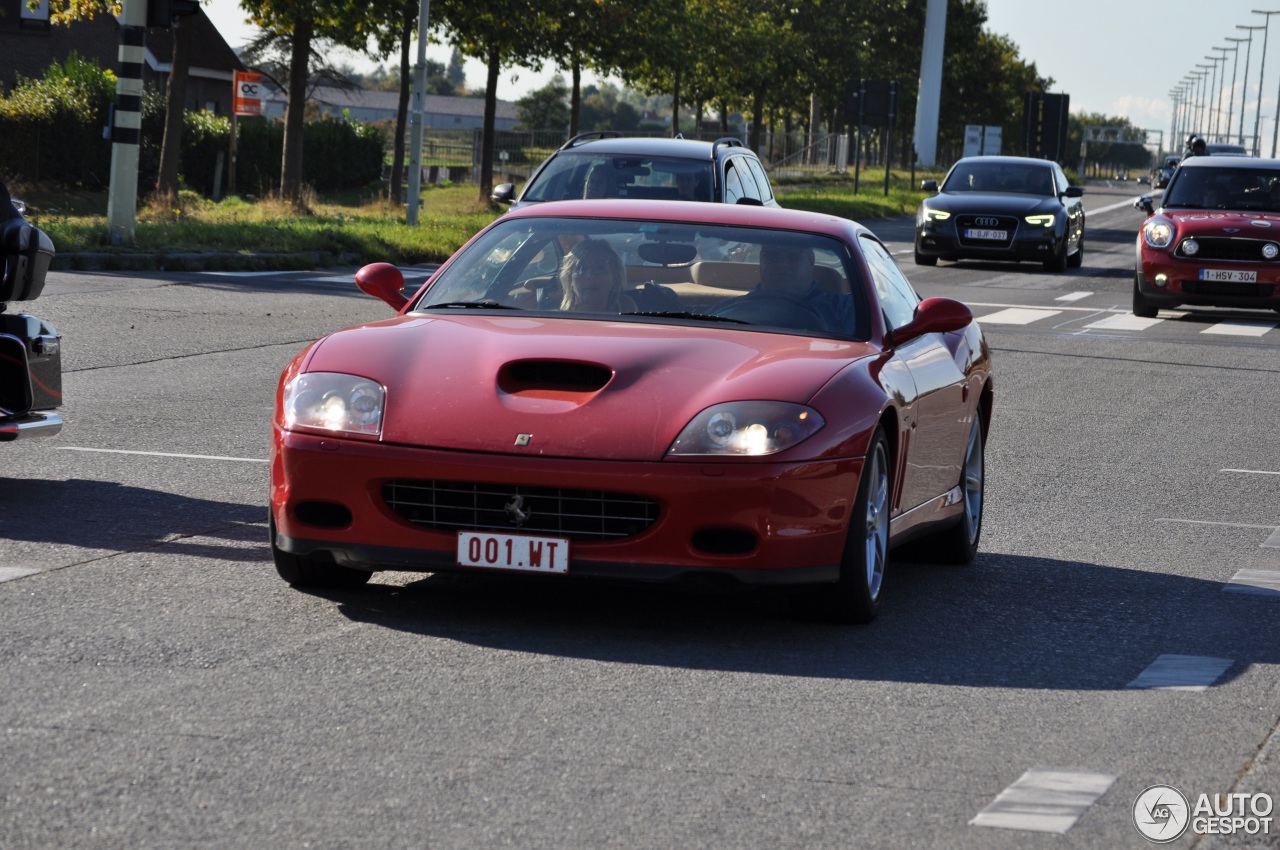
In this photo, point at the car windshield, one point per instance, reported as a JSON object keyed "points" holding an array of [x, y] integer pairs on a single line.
{"points": [[1251, 189], [989, 177], [648, 271], [571, 175]]}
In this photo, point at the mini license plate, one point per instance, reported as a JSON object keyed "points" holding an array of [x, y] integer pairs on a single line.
{"points": [[976, 233], [1226, 276], [519, 552]]}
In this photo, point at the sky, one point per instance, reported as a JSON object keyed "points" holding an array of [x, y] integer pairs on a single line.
{"points": [[1116, 58]]}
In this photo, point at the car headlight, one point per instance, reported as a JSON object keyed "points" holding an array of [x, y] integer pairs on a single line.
{"points": [[1158, 234], [747, 428], [1045, 220], [1190, 247], [933, 215], [332, 401]]}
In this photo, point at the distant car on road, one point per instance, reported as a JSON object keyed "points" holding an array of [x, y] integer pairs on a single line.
{"points": [[1165, 171], [1215, 238], [607, 164], [1223, 149], [1002, 208]]}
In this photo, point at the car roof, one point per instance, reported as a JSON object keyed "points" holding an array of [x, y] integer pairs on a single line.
{"points": [[1250, 162], [651, 146], [742, 215], [1005, 160]]}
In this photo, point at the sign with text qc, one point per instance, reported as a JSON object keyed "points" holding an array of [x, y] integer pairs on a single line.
{"points": [[247, 96]]}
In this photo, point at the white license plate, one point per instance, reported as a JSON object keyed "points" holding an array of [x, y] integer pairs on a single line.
{"points": [[975, 233], [1225, 276], [520, 552]]}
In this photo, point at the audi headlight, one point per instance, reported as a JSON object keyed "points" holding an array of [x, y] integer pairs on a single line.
{"points": [[747, 429], [1158, 234], [332, 401], [933, 215], [1045, 220]]}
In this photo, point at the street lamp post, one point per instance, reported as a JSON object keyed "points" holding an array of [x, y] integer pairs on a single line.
{"points": [[1235, 65], [1248, 53], [1261, 79], [1215, 105], [1201, 97]]}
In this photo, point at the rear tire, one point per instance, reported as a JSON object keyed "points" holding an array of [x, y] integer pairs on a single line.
{"points": [[1142, 307], [959, 543], [301, 571]]}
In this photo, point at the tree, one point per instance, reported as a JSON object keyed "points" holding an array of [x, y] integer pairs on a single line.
{"points": [[546, 108]]}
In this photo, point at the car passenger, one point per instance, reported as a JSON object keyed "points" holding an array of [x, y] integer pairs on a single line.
{"points": [[592, 276], [599, 182]]}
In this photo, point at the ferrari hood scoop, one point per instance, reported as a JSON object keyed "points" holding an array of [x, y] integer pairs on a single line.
{"points": [[552, 378]]}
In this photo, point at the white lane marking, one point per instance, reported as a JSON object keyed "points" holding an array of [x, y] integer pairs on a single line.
{"points": [[1233, 328], [1017, 316], [1272, 542], [10, 573], [1256, 582], [1211, 522], [163, 454], [1124, 322], [1252, 471], [243, 274], [1073, 296], [1045, 800], [1181, 673]]}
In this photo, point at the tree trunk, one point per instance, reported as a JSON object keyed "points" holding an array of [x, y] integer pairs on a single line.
{"points": [[295, 112], [675, 105], [757, 118], [402, 107], [490, 113], [174, 106], [575, 97]]}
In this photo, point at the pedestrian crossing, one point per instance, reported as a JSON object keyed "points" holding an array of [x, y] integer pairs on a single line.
{"points": [[1070, 318]]}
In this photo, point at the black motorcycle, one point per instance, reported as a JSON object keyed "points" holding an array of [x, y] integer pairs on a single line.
{"points": [[30, 348]]}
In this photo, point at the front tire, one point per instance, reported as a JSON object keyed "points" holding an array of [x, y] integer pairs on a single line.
{"points": [[1059, 261], [301, 571], [1076, 260], [924, 260], [1142, 307], [855, 597]]}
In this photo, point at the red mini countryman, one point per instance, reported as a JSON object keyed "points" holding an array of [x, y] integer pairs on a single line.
{"points": [[643, 390], [1215, 239]]}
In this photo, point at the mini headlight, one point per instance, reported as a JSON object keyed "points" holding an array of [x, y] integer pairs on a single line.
{"points": [[1190, 247], [747, 429], [1270, 250], [1045, 220], [332, 401], [1158, 234]]}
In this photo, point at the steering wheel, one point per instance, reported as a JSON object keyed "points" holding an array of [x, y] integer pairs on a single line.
{"points": [[773, 307]]}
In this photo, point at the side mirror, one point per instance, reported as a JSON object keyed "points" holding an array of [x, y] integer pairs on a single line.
{"points": [[1145, 204], [503, 193], [1074, 192], [929, 186], [383, 281], [933, 315]]}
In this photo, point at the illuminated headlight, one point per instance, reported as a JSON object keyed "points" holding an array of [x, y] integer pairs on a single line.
{"points": [[1045, 220], [1270, 251], [1190, 247], [332, 401], [1159, 234], [927, 215], [747, 428]]}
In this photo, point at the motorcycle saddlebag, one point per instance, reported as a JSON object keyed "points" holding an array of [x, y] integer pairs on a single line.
{"points": [[25, 252]]}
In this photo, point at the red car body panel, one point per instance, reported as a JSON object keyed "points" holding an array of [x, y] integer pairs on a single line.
{"points": [[1181, 273]]}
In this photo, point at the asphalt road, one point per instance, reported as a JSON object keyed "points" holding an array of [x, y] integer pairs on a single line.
{"points": [[162, 688]]}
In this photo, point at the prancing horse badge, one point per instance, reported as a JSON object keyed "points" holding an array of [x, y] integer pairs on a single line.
{"points": [[523, 439]]}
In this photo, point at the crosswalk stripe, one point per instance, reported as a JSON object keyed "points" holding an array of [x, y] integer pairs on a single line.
{"points": [[1123, 322], [10, 573], [1073, 296], [1256, 582], [1231, 328], [1181, 673], [1045, 800], [1017, 316]]}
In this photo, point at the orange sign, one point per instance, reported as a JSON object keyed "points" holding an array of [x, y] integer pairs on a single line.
{"points": [[247, 96]]}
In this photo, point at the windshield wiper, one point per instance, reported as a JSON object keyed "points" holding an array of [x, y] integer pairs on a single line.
{"points": [[678, 314], [487, 304]]}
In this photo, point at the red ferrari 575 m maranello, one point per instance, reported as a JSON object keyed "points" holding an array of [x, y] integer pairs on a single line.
{"points": [[644, 390]]}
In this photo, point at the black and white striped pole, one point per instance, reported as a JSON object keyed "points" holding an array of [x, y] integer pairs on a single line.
{"points": [[126, 124]]}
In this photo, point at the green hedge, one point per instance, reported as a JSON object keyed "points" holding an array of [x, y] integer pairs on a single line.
{"points": [[51, 131]]}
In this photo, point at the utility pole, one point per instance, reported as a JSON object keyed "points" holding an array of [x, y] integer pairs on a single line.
{"points": [[1257, 118], [412, 200], [126, 124], [929, 93]]}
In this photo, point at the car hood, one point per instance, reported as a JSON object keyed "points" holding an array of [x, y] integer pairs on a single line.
{"points": [[988, 202], [582, 389], [1253, 225]]}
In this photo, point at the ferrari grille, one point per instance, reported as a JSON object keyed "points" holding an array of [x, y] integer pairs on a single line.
{"points": [[1227, 248], [585, 515]]}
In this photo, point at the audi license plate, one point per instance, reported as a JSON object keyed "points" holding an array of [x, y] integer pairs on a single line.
{"points": [[520, 552], [1225, 276], [978, 233]]}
